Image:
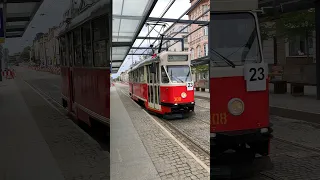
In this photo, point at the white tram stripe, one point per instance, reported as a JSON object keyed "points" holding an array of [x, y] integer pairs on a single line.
{"points": [[207, 168], [216, 72]]}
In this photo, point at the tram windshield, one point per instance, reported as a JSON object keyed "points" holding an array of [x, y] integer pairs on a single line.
{"points": [[234, 38], [179, 73]]}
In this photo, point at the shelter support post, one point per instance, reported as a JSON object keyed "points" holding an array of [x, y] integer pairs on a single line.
{"points": [[317, 19]]}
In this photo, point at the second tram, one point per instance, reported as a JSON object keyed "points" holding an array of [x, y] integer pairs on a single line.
{"points": [[85, 65], [163, 83], [239, 95]]}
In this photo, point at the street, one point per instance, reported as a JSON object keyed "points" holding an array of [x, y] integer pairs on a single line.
{"points": [[295, 149]]}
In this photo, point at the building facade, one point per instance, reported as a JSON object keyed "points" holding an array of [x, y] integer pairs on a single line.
{"points": [[198, 41], [124, 76], [172, 30], [46, 48]]}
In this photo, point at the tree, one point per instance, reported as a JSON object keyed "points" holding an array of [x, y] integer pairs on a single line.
{"points": [[290, 24], [25, 55], [200, 68]]}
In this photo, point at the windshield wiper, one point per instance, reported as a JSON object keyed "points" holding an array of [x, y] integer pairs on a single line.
{"points": [[175, 77], [187, 76], [229, 62]]}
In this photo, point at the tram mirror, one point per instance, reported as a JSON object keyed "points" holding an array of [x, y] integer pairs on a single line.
{"points": [[153, 68]]}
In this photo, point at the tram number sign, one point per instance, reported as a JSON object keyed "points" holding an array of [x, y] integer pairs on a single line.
{"points": [[219, 118], [256, 76], [190, 86], [177, 99]]}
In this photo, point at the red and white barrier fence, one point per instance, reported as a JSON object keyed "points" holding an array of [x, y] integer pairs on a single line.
{"points": [[9, 73]]}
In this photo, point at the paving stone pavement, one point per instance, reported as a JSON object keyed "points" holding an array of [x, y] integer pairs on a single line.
{"points": [[78, 155], [170, 160]]}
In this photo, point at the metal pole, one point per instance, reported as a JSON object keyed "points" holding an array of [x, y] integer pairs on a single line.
{"points": [[163, 13], [4, 11], [190, 23], [177, 20], [317, 20]]}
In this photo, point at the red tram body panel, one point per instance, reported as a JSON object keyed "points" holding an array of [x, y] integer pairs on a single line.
{"points": [[256, 114]]}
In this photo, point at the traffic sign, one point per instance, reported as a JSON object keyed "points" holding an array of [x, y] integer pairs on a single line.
{"points": [[2, 27]]}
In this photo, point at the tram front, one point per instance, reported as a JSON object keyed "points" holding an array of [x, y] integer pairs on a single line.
{"points": [[239, 96]]}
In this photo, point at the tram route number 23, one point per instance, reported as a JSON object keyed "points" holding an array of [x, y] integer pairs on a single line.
{"points": [[219, 118], [255, 76]]}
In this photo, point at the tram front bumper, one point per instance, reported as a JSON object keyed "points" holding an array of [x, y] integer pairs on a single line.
{"points": [[179, 107], [239, 137]]}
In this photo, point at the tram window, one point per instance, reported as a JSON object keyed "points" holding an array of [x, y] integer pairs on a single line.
{"points": [[69, 49], [164, 77], [86, 45], [77, 47], [63, 51], [99, 27]]}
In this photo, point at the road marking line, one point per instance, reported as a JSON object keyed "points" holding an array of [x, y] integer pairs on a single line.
{"points": [[38, 92], [207, 168]]}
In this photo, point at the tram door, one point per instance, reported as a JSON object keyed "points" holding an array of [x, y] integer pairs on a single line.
{"points": [[154, 88]]}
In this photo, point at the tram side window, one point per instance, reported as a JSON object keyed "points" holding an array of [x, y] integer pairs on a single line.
{"points": [[63, 51], [69, 50], [86, 45], [141, 75], [164, 77], [77, 47], [99, 27]]}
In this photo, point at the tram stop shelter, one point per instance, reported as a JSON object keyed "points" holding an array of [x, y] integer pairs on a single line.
{"points": [[18, 14]]}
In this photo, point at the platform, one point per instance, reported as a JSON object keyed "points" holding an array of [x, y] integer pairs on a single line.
{"points": [[38, 142]]}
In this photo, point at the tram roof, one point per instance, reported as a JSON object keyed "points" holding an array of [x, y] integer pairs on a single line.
{"points": [[19, 14], [128, 20]]}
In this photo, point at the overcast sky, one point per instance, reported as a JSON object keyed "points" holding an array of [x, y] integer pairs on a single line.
{"points": [[176, 10], [53, 14]]}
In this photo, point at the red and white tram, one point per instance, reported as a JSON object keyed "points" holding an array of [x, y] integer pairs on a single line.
{"points": [[163, 83], [85, 65], [239, 95]]}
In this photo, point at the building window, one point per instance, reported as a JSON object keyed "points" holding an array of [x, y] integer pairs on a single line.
{"points": [[192, 54], [86, 45], [298, 46], [99, 42], [185, 40], [204, 8], [199, 51], [205, 48], [205, 30]]}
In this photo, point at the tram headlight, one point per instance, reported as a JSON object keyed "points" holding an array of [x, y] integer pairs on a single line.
{"points": [[236, 106], [183, 95]]}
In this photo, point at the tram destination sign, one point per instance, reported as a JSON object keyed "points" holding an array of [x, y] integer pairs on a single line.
{"points": [[2, 27], [256, 76]]}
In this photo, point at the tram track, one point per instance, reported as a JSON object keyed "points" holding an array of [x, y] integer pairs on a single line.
{"points": [[201, 153]]}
